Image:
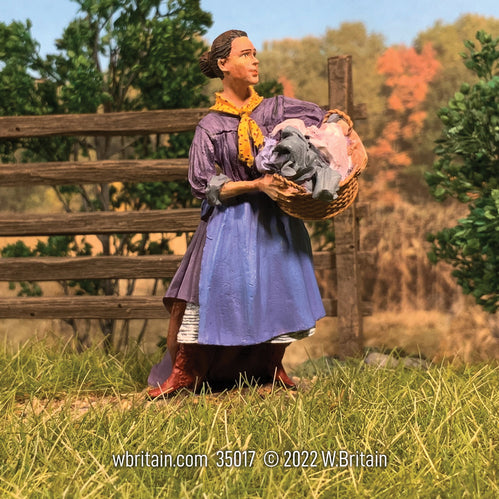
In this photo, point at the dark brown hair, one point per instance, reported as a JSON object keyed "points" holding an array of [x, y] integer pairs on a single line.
{"points": [[220, 49]]}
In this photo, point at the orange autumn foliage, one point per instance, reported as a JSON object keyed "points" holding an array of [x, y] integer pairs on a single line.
{"points": [[408, 74]]}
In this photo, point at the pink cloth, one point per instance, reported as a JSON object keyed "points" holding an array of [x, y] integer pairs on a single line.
{"points": [[329, 138]]}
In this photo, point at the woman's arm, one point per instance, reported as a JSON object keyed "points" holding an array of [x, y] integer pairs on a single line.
{"points": [[267, 184], [233, 188]]}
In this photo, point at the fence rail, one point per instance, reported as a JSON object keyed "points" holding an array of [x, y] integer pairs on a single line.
{"points": [[101, 307], [99, 222], [93, 172], [45, 269], [101, 124]]}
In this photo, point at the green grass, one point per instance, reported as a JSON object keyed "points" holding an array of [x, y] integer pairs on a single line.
{"points": [[64, 415]]}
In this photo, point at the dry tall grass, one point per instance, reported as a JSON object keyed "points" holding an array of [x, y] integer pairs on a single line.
{"points": [[403, 277], [417, 305]]}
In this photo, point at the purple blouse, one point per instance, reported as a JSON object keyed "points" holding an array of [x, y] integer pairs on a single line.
{"points": [[215, 140]]}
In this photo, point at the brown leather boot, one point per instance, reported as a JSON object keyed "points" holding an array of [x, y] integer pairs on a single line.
{"points": [[176, 315], [276, 369], [189, 370]]}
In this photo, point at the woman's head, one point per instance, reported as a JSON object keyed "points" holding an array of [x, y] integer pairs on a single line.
{"points": [[220, 49]]}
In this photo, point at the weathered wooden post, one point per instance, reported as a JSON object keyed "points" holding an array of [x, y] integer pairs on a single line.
{"points": [[349, 312]]}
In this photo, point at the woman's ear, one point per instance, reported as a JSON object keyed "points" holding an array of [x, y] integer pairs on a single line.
{"points": [[221, 64]]}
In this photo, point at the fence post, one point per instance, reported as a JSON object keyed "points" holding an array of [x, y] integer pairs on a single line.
{"points": [[350, 338]]}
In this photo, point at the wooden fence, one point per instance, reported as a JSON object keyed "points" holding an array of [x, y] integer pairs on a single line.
{"points": [[101, 222]]}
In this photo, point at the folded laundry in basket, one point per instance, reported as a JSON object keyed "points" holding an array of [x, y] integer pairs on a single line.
{"points": [[296, 158]]}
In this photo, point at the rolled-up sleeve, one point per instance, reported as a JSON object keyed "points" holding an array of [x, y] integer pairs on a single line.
{"points": [[214, 187]]}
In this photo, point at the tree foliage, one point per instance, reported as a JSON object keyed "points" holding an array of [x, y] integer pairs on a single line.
{"points": [[467, 169], [18, 88], [126, 55], [408, 74]]}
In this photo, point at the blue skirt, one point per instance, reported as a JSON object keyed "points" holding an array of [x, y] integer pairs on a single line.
{"points": [[257, 279]]}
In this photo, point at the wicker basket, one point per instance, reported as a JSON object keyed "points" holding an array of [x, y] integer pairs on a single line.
{"points": [[302, 205]]}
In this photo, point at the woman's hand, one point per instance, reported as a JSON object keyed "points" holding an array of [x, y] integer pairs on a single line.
{"points": [[271, 185], [275, 188]]}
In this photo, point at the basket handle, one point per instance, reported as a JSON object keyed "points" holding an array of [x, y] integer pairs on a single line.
{"points": [[342, 115]]}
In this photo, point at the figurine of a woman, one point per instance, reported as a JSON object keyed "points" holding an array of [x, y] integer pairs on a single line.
{"points": [[246, 287]]}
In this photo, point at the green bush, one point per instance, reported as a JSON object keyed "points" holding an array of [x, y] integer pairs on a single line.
{"points": [[467, 169]]}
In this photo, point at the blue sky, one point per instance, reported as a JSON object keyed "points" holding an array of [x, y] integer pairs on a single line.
{"points": [[398, 21]]}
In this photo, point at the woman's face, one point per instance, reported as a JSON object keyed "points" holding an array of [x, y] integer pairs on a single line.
{"points": [[242, 64]]}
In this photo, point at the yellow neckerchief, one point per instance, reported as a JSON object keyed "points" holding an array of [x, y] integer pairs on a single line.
{"points": [[247, 126]]}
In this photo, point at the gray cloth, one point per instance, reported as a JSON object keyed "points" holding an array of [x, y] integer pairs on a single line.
{"points": [[298, 162], [214, 187], [334, 118], [296, 159], [327, 182]]}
